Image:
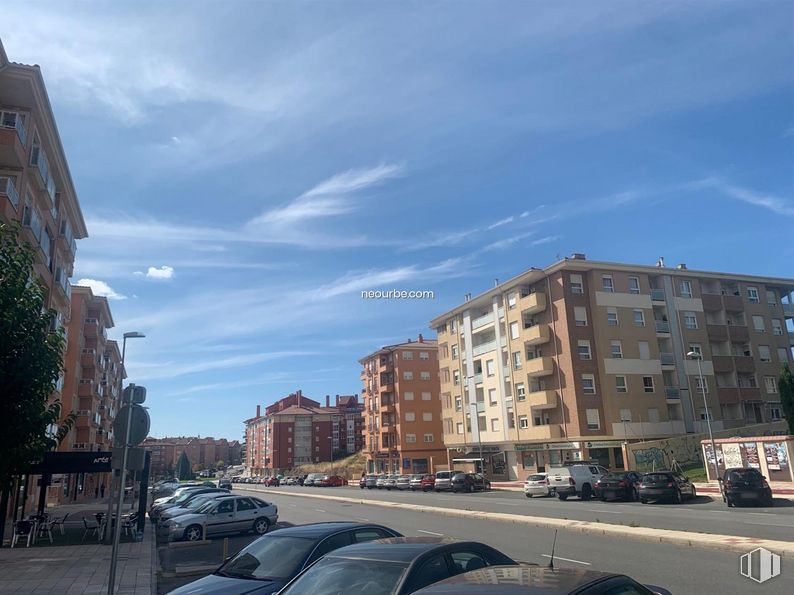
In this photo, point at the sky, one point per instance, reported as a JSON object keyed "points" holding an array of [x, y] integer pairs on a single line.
{"points": [[246, 169]]}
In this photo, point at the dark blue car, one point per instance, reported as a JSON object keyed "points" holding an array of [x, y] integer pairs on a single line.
{"points": [[270, 562]]}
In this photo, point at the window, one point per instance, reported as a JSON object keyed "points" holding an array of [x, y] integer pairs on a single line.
{"points": [[511, 300], [752, 295], [408, 375], [492, 396], [653, 415], [580, 315], [454, 352], [427, 416], [584, 350], [458, 404], [428, 437], [489, 367], [576, 284], [593, 420], [639, 318], [607, 284], [645, 349], [459, 428], [424, 375], [696, 347], [523, 422], [620, 384], [514, 330], [363, 535], [617, 350], [764, 353], [758, 324], [521, 392], [705, 414], [494, 424], [432, 571], [612, 316], [647, 384], [225, 506], [408, 396], [408, 355], [424, 355], [770, 382], [634, 285], [456, 377], [690, 320], [588, 384], [245, 504], [782, 354], [774, 412], [686, 289], [777, 327], [452, 325], [701, 387], [516, 360], [410, 438], [771, 297], [410, 416], [427, 397], [625, 415]]}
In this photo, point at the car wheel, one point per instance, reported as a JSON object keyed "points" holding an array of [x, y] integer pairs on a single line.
{"points": [[694, 493], [769, 500], [603, 498], [527, 495], [644, 500], [677, 497], [587, 492], [729, 501], [470, 489], [193, 533], [562, 496], [437, 491], [261, 526]]}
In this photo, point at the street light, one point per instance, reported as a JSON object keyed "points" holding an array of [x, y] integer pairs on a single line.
{"points": [[696, 355], [331, 444]]}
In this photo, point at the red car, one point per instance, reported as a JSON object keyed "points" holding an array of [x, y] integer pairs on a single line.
{"points": [[428, 483], [332, 481], [272, 482]]}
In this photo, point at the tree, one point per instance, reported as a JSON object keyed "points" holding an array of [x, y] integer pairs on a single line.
{"points": [[786, 389], [183, 469], [220, 463], [31, 360]]}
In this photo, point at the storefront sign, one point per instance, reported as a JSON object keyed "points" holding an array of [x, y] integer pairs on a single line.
{"points": [[772, 458], [548, 446], [603, 444], [732, 455], [751, 452]]}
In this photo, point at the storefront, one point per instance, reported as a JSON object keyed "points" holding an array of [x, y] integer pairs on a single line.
{"points": [[539, 456], [769, 454], [608, 453]]}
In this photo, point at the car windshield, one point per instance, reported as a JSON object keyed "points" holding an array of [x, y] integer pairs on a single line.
{"points": [[333, 576], [614, 476], [536, 477], [182, 497], [197, 502], [744, 474], [656, 477], [206, 506], [269, 557], [458, 476]]}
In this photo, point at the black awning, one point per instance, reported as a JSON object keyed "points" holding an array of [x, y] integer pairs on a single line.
{"points": [[72, 462], [470, 457]]}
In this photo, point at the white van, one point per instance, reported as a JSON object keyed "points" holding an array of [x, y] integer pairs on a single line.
{"points": [[575, 480]]}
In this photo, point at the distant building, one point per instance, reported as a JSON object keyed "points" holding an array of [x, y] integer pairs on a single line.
{"points": [[204, 452], [297, 430]]}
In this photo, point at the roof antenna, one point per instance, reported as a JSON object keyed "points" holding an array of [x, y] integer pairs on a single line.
{"points": [[553, 545]]}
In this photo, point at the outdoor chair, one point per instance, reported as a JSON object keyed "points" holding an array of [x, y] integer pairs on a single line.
{"points": [[22, 529], [128, 523], [44, 527], [90, 526], [60, 522]]}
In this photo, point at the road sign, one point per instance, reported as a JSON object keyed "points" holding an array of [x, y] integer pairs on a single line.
{"points": [[139, 425], [134, 394], [135, 458]]}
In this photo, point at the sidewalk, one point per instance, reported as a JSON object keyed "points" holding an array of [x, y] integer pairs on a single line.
{"points": [[780, 490]]}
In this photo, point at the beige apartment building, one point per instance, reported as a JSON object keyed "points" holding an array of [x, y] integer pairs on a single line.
{"points": [[568, 362], [402, 410]]}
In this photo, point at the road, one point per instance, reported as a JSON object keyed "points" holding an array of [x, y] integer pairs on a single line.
{"points": [[704, 515], [679, 569]]}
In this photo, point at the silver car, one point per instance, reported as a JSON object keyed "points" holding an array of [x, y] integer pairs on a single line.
{"points": [[230, 514], [403, 482], [190, 506]]}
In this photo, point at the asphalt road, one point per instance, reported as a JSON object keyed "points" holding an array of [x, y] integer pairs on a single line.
{"points": [[706, 514]]}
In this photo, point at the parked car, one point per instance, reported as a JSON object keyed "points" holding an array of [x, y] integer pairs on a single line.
{"points": [[415, 482], [362, 483], [371, 481], [232, 514], [537, 484], [272, 482], [225, 483], [403, 482], [443, 481], [745, 485], [390, 482], [527, 580], [312, 477], [469, 482], [267, 564], [428, 482], [379, 483], [189, 506], [620, 485], [184, 497], [396, 566], [331, 481], [665, 485], [575, 480]]}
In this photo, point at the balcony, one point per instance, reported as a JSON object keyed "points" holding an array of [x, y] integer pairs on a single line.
{"points": [[717, 333], [788, 310], [739, 333], [478, 378], [711, 302], [723, 364], [662, 326], [38, 159], [88, 358], [540, 366], [672, 393], [791, 338], [67, 238], [482, 321], [90, 328], [536, 335], [667, 359], [744, 364], [9, 190], [533, 303], [12, 140], [547, 432], [733, 303], [483, 348], [657, 295], [543, 399], [85, 388]]}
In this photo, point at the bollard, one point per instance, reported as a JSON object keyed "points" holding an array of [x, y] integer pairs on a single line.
{"points": [[225, 549], [204, 532]]}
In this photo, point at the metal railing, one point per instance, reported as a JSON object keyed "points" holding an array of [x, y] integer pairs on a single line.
{"points": [[672, 392], [662, 326], [8, 188], [668, 359]]}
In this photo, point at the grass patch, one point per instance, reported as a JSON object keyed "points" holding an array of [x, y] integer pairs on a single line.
{"points": [[634, 524]]}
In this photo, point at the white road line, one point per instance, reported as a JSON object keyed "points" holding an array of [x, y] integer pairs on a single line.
{"points": [[606, 511], [567, 559], [431, 533], [761, 513], [361, 518], [320, 510]]}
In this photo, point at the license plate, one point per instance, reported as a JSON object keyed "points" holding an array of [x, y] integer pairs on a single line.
{"points": [[749, 496]]}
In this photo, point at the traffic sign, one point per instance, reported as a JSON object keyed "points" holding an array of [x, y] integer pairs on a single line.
{"points": [[139, 425], [134, 394]]}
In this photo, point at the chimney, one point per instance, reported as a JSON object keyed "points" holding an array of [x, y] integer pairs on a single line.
{"points": [[327, 400], [496, 282], [681, 267], [409, 340], [337, 400], [660, 262], [421, 338], [299, 395], [258, 410], [578, 256]]}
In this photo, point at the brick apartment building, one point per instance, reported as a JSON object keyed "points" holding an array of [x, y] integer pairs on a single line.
{"points": [[567, 362], [402, 408], [202, 452], [297, 430]]}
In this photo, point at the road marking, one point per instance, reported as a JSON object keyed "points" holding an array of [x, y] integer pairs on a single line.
{"points": [[606, 511], [761, 513], [320, 510], [361, 518], [567, 559], [431, 533]]}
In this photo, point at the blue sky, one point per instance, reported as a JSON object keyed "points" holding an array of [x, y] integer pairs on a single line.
{"points": [[247, 168]]}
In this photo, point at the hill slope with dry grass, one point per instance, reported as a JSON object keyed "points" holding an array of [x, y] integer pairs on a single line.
{"points": [[351, 467]]}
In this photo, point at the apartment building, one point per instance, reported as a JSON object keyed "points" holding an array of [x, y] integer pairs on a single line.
{"points": [[402, 408], [568, 362], [207, 452], [297, 430]]}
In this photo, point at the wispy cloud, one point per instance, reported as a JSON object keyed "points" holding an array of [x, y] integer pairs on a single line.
{"points": [[546, 240], [172, 369], [439, 240], [101, 288], [776, 204], [501, 222], [506, 242]]}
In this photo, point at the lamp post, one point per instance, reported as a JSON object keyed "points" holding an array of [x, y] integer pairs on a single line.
{"points": [[696, 355], [331, 445]]}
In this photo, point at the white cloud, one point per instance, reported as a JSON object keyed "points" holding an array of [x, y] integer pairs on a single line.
{"points": [[505, 243], [546, 240], [501, 222], [101, 288], [163, 272], [171, 369], [776, 204]]}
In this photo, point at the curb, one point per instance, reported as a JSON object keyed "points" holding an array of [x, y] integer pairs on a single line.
{"points": [[194, 570], [711, 541], [183, 544]]}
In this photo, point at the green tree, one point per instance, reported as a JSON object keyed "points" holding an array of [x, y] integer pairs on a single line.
{"points": [[183, 469], [786, 389], [31, 359], [220, 463]]}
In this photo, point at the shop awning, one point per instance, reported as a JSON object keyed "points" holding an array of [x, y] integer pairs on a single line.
{"points": [[469, 457]]}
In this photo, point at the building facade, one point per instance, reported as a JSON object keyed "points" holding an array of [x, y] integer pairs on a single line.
{"points": [[203, 453], [402, 408], [567, 362], [297, 430]]}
